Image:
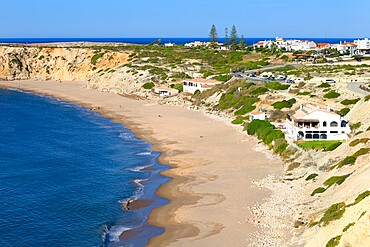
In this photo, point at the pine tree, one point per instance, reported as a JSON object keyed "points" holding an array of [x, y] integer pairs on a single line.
{"points": [[242, 43], [213, 34], [234, 38], [226, 41]]}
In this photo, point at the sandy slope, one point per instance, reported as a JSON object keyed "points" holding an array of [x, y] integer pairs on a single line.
{"points": [[212, 164]]}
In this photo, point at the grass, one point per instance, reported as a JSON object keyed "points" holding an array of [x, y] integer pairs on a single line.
{"points": [[334, 212], [277, 86], [320, 145], [259, 91], [334, 241], [245, 109], [96, 57], [178, 86], [349, 160], [331, 95]]}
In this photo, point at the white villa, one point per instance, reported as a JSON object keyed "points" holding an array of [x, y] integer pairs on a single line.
{"points": [[288, 45], [258, 114], [192, 85], [312, 123], [363, 46], [164, 91]]}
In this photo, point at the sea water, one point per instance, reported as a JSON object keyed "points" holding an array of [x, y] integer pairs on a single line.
{"points": [[64, 173]]}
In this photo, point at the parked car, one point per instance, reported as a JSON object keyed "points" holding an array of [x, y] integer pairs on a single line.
{"points": [[290, 81], [281, 77], [330, 81], [252, 75], [271, 78]]}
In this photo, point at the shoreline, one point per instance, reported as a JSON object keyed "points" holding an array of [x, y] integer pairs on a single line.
{"points": [[204, 192]]}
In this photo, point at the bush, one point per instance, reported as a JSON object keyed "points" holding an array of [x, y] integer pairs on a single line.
{"points": [[304, 93], [258, 91], [148, 85], [349, 101], [96, 57], [334, 241], [284, 104], [358, 141], [321, 145], [324, 85], [334, 212], [349, 160], [245, 109], [331, 95], [362, 151], [348, 226], [360, 197], [311, 176], [343, 111], [197, 92], [367, 97], [178, 86], [280, 145], [318, 191], [277, 86], [336, 180], [239, 120]]}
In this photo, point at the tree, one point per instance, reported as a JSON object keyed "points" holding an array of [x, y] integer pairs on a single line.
{"points": [[226, 41], [242, 43], [213, 34], [234, 38]]}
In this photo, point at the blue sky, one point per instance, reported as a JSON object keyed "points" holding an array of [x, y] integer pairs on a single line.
{"points": [[190, 18]]}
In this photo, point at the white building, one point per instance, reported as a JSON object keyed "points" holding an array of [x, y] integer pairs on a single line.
{"points": [[195, 44], [260, 115], [169, 44], [164, 91], [347, 47], [312, 123], [363, 46], [192, 85]]}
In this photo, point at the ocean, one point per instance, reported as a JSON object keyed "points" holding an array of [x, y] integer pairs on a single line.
{"points": [[248, 41], [65, 172]]}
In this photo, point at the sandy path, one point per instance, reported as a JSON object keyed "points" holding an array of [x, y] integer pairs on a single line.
{"points": [[212, 165]]}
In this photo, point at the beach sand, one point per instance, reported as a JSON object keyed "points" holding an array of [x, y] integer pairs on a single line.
{"points": [[212, 165]]}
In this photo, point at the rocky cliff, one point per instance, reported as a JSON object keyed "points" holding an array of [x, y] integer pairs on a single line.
{"points": [[101, 69]]}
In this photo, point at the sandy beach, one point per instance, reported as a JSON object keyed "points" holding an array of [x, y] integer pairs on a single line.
{"points": [[213, 165]]}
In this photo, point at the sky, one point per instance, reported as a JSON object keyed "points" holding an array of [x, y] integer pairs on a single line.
{"points": [[190, 18]]}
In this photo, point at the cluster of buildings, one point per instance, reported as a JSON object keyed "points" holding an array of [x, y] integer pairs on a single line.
{"points": [[357, 47]]}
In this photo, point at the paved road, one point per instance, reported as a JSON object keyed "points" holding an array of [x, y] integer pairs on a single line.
{"points": [[355, 87]]}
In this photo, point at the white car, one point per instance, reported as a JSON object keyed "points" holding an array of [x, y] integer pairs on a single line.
{"points": [[330, 81]]}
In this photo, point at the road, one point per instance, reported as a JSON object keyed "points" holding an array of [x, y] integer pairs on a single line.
{"points": [[355, 87]]}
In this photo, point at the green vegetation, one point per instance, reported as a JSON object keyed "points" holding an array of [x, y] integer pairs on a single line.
{"points": [[148, 85], [331, 94], [334, 212], [324, 85], [334, 241], [362, 151], [245, 109], [284, 104], [265, 131], [239, 120], [318, 191], [304, 93], [367, 97], [343, 111], [358, 141], [349, 160], [348, 226], [320, 145], [349, 101], [360, 197], [259, 91], [311, 176], [355, 126], [178, 86], [336, 180], [96, 57], [277, 86], [223, 78]]}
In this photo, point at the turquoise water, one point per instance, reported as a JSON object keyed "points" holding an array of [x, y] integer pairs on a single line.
{"points": [[65, 172]]}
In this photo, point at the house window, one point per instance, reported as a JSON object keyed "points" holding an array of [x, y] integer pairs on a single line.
{"points": [[324, 136], [343, 123], [324, 124], [316, 136], [333, 132], [185, 83], [308, 136], [333, 124]]}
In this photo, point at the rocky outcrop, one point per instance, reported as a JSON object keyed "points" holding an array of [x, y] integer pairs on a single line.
{"points": [[101, 69]]}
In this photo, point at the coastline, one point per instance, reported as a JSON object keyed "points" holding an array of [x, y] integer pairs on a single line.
{"points": [[211, 193]]}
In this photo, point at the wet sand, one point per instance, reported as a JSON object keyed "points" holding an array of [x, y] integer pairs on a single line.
{"points": [[212, 165]]}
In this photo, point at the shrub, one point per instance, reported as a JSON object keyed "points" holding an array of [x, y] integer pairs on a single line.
{"points": [[334, 212], [280, 145], [331, 95], [256, 124], [336, 180], [258, 91], [96, 57], [360, 197], [367, 97], [178, 86], [284, 104], [349, 101], [349, 160], [239, 120], [277, 86], [334, 241], [148, 85], [348, 226], [245, 109], [304, 93], [324, 85], [362, 151], [343, 111], [318, 191], [332, 146], [358, 141], [311, 176], [197, 92]]}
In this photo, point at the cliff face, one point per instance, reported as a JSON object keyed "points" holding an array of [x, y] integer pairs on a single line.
{"points": [[98, 68]]}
